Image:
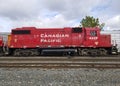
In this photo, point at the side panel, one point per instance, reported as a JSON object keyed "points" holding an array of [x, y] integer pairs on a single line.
{"points": [[77, 39], [21, 38], [40, 38], [22, 41], [54, 38]]}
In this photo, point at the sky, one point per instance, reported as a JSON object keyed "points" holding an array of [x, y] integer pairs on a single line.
{"points": [[57, 13]]}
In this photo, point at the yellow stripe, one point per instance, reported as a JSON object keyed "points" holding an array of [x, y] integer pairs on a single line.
{"points": [[9, 39]]}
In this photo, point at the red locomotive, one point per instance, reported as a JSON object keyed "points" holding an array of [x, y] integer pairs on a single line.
{"points": [[29, 41]]}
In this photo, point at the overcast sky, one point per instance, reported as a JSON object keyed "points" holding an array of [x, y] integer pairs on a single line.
{"points": [[57, 13]]}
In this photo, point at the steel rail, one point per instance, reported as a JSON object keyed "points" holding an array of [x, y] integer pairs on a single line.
{"points": [[117, 59], [62, 65], [60, 62]]}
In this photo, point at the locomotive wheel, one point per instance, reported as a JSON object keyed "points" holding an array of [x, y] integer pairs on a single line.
{"points": [[26, 52], [103, 51], [94, 52], [34, 52], [16, 52], [85, 52], [20, 52], [79, 52]]}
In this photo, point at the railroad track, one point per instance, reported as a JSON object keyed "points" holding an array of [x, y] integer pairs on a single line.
{"points": [[60, 62]]}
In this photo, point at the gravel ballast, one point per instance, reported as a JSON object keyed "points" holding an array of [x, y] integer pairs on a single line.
{"points": [[59, 77]]}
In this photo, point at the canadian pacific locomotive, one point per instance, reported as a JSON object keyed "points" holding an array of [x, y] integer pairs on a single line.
{"points": [[31, 41]]}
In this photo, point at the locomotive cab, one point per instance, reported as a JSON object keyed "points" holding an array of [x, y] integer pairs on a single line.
{"points": [[95, 43], [91, 37]]}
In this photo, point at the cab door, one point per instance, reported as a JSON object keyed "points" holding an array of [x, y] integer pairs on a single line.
{"points": [[76, 36], [92, 37]]}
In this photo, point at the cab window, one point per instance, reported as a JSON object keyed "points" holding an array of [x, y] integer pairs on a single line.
{"points": [[17, 32], [93, 33]]}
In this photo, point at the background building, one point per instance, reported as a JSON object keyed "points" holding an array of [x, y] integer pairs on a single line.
{"points": [[115, 36]]}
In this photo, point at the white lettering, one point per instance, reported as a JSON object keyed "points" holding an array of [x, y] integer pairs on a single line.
{"points": [[93, 38], [50, 40], [42, 35], [54, 35]]}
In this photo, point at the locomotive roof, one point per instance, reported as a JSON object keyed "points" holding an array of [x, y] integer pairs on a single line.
{"points": [[33, 28]]}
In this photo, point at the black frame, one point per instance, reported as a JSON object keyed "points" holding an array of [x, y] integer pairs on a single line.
{"points": [[77, 30], [17, 32]]}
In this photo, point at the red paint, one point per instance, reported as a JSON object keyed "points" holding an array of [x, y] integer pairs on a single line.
{"points": [[1, 41], [57, 37]]}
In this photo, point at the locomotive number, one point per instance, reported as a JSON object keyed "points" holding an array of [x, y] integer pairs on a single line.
{"points": [[93, 38]]}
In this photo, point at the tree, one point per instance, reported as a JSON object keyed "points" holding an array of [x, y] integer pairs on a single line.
{"points": [[90, 21], [101, 26]]}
